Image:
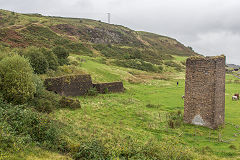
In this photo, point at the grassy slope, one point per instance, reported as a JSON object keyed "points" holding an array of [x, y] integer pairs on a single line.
{"points": [[114, 117], [125, 114]]}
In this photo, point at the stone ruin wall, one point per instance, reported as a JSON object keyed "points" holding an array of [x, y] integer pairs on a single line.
{"points": [[204, 102], [110, 87], [73, 85], [78, 85]]}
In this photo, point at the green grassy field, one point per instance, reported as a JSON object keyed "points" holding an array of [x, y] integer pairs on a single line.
{"points": [[140, 113]]}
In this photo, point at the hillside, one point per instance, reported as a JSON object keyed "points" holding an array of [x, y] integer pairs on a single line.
{"points": [[22, 30]]}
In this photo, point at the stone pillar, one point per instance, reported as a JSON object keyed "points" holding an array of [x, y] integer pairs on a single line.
{"points": [[204, 102]]}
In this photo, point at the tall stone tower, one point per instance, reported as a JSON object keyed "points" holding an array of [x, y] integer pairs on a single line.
{"points": [[204, 102]]}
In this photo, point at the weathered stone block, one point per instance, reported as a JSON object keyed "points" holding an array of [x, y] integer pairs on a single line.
{"points": [[109, 87], [73, 85], [204, 102]]}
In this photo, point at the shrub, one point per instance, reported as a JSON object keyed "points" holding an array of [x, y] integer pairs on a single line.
{"points": [[16, 79], [138, 64], [92, 92], [69, 103], [51, 58], [177, 66], [105, 91], [78, 48], [45, 101], [174, 119], [92, 149], [24, 125], [39, 85], [62, 55], [232, 147], [5, 52], [37, 60]]}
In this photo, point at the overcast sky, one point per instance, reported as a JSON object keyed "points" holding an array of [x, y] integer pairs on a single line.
{"points": [[210, 27]]}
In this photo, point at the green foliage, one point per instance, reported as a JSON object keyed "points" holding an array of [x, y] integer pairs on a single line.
{"points": [[69, 103], [4, 52], [105, 91], [73, 47], [127, 148], [174, 119], [139, 64], [39, 85], [62, 55], [37, 60], [39, 35], [177, 66], [92, 92], [16, 79], [233, 147], [93, 149], [45, 101], [51, 58], [118, 52], [20, 126]]}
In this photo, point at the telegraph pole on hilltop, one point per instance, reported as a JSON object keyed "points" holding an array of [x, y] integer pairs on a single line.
{"points": [[109, 17]]}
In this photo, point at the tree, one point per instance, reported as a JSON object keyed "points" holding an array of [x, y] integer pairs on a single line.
{"points": [[51, 58], [37, 60], [16, 76], [62, 55]]}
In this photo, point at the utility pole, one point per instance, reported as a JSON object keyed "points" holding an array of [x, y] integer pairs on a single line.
{"points": [[109, 17]]}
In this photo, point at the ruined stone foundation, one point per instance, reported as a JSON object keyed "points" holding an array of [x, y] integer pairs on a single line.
{"points": [[78, 85], [204, 102]]}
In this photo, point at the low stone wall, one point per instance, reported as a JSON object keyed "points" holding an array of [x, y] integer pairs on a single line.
{"points": [[73, 85], [109, 87]]}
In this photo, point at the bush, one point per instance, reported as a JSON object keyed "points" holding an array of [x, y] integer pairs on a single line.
{"points": [[139, 64], [4, 55], [37, 60], [233, 147], [51, 58], [23, 125], [62, 55], [16, 79], [92, 92], [177, 66], [175, 119], [45, 101], [93, 149], [39, 85], [69, 103]]}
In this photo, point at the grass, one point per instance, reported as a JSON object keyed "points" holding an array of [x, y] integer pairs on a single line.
{"points": [[110, 116], [138, 116], [33, 153]]}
